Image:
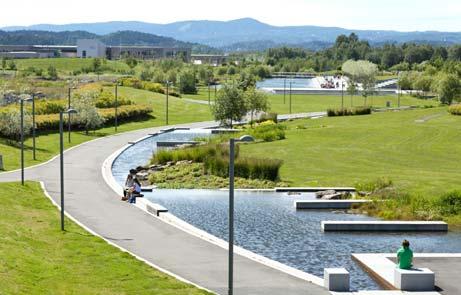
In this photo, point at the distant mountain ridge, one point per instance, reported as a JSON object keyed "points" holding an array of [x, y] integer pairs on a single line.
{"points": [[224, 34], [40, 37]]}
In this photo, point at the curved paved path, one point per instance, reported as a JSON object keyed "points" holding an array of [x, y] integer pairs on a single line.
{"points": [[93, 203]]}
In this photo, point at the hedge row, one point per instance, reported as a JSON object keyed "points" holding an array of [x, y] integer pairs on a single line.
{"points": [[149, 86], [349, 112], [455, 109], [125, 113]]}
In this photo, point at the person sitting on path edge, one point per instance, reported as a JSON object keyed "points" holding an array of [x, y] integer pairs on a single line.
{"points": [[135, 191], [405, 256], [128, 184]]}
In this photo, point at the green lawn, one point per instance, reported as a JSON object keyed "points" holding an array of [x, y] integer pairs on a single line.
{"points": [[37, 258], [313, 103], [301, 103], [340, 151], [202, 94], [66, 64], [48, 144]]}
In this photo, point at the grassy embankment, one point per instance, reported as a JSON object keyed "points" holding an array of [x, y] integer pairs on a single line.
{"points": [[418, 150], [48, 144], [37, 258], [68, 65]]}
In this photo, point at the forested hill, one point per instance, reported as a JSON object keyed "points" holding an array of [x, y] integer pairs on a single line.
{"points": [[27, 37]]}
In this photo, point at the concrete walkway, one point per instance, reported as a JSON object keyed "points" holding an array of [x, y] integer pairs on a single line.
{"points": [[93, 203]]}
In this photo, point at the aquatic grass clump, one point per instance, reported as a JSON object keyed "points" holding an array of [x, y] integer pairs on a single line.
{"points": [[357, 111], [215, 158]]}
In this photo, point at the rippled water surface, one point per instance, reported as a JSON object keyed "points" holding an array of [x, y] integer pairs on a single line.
{"points": [[268, 224]]}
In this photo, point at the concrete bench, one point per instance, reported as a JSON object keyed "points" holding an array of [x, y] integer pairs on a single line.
{"points": [[417, 279], [336, 279], [156, 209]]}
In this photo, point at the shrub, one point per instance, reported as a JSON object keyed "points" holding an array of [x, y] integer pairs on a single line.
{"points": [[106, 99], [349, 112], [455, 109], [45, 107], [125, 113], [450, 203], [268, 131], [146, 85]]}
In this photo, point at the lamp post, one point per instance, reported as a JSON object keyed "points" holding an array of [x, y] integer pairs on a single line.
{"points": [[342, 94], [167, 95], [116, 106], [22, 100], [232, 141], [68, 107], [209, 93], [61, 152], [284, 89], [33, 127], [291, 82]]}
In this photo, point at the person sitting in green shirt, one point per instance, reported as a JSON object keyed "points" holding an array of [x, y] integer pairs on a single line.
{"points": [[405, 256]]}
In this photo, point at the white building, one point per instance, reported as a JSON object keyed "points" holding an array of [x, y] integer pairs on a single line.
{"points": [[90, 48]]}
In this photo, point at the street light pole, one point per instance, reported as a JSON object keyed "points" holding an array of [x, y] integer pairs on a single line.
{"points": [[22, 141], [167, 95], [33, 127], [290, 95], [116, 106], [61, 159], [244, 138], [68, 107], [209, 93], [284, 89], [342, 95], [231, 217]]}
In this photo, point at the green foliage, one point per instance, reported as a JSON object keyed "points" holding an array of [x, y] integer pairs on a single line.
{"points": [[193, 176], [145, 85], [10, 123], [215, 158], [267, 131], [187, 82], [256, 101], [106, 99], [448, 87], [230, 105], [124, 113], [51, 73], [455, 109], [349, 111]]}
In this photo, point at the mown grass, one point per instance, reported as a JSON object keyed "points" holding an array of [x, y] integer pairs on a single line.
{"points": [[67, 65], [301, 103], [419, 157], [48, 144], [37, 258]]}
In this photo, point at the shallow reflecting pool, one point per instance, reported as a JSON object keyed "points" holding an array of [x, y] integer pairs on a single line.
{"points": [[268, 223]]}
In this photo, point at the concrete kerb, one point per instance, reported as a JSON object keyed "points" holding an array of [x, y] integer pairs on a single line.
{"points": [[42, 184], [172, 220]]}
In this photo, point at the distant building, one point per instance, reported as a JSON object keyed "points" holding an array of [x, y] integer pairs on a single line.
{"points": [[37, 51], [90, 48], [211, 59], [93, 48]]}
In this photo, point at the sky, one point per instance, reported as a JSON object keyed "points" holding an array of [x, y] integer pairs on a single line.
{"points": [[400, 15]]}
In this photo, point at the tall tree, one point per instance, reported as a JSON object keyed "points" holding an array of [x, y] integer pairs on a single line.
{"points": [[256, 101], [230, 105]]}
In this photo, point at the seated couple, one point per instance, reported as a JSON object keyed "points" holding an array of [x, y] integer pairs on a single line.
{"points": [[132, 189]]}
